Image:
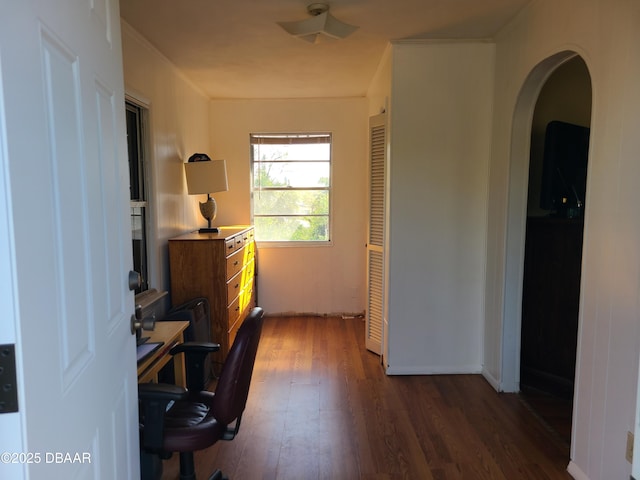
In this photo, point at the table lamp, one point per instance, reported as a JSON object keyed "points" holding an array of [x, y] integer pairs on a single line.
{"points": [[206, 176]]}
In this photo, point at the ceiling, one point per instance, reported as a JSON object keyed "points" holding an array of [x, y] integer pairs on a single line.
{"points": [[235, 48]]}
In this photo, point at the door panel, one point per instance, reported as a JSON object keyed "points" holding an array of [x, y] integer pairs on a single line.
{"points": [[62, 94], [63, 97]]}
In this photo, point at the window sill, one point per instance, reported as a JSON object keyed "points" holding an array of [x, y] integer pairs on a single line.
{"points": [[149, 297], [264, 245]]}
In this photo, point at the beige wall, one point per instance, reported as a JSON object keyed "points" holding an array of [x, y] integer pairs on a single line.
{"points": [[605, 34], [179, 121], [302, 279]]}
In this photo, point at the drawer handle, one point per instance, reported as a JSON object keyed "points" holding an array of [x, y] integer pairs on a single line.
{"points": [[236, 286], [236, 263], [230, 246]]}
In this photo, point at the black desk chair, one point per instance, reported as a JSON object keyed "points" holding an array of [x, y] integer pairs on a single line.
{"points": [[197, 419]]}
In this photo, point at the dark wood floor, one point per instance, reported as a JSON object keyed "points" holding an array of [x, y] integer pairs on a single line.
{"points": [[555, 412], [320, 407]]}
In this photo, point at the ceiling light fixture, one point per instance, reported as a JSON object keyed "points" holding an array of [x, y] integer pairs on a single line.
{"points": [[320, 23]]}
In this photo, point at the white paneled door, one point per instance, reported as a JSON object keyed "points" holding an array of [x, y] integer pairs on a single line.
{"points": [[376, 233], [67, 246]]}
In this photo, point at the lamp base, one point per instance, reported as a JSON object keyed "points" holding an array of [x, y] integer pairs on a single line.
{"points": [[208, 210]]}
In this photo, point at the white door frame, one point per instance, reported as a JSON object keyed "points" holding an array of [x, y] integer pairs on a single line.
{"points": [[517, 217]]}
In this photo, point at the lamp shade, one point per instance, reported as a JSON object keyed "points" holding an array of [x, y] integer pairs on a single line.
{"points": [[206, 177]]}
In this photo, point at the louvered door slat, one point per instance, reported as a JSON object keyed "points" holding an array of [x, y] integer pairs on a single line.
{"points": [[376, 185], [374, 324], [375, 244]]}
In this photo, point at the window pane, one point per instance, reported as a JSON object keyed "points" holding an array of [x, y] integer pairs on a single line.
{"points": [[136, 120], [136, 179], [291, 202], [291, 186], [298, 152], [303, 229], [291, 174], [139, 243]]}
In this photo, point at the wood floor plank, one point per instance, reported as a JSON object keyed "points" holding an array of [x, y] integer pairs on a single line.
{"points": [[321, 407]]}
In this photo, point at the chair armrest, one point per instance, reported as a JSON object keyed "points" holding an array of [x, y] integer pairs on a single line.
{"points": [[160, 391], [195, 356], [195, 347]]}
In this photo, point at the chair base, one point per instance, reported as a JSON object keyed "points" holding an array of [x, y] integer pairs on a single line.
{"points": [[188, 472], [217, 475], [150, 466]]}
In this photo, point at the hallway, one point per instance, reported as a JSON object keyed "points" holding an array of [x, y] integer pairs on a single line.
{"points": [[321, 407]]}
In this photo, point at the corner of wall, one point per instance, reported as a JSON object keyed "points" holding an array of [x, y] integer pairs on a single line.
{"points": [[379, 91]]}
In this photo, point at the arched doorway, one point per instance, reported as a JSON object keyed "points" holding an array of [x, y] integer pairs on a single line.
{"points": [[553, 244], [524, 145]]}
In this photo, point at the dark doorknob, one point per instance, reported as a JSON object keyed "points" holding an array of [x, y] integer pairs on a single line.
{"points": [[135, 280]]}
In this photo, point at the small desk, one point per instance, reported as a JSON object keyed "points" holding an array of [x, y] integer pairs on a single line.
{"points": [[171, 333]]}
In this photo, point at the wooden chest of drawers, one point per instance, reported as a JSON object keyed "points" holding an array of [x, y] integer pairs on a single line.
{"points": [[220, 267]]}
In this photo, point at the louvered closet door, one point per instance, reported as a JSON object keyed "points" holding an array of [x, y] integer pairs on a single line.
{"points": [[376, 234]]}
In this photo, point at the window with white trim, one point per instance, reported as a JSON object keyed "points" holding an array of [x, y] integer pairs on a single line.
{"points": [[136, 125], [291, 187]]}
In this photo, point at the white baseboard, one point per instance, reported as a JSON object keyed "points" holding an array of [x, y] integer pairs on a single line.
{"points": [[491, 380], [575, 471], [426, 370]]}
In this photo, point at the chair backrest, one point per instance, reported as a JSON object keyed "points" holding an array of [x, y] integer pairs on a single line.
{"points": [[232, 389]]}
